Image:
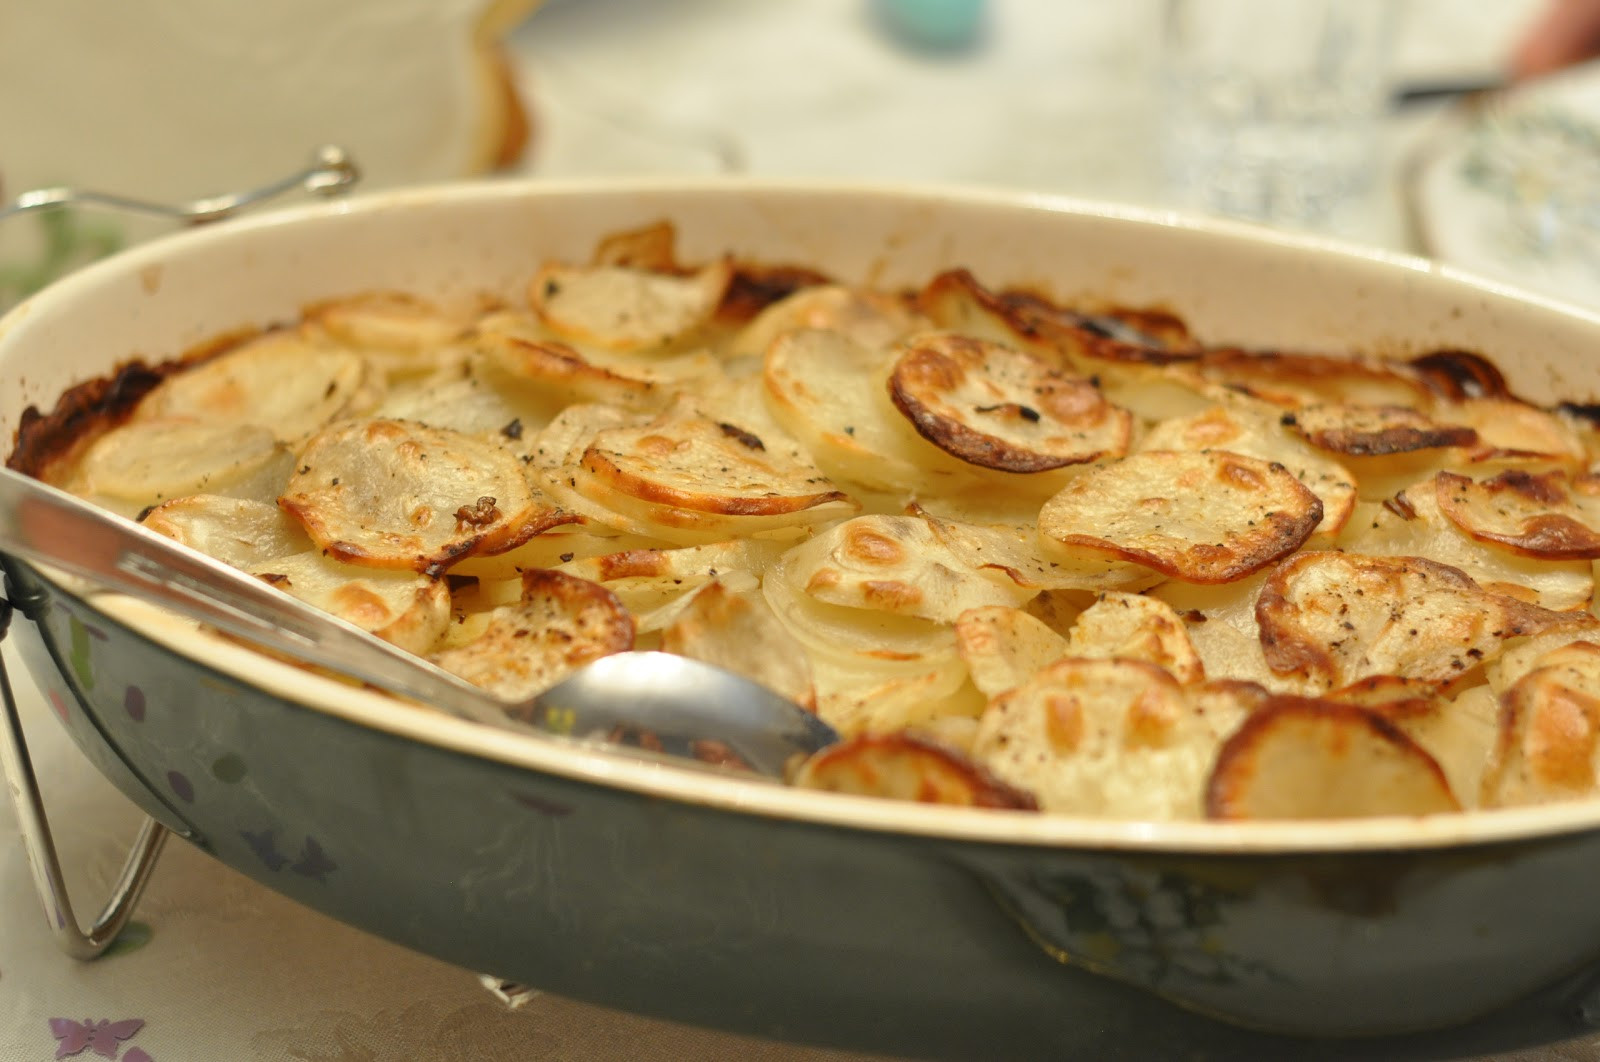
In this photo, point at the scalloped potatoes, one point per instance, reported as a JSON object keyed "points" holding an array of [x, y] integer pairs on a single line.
{"points": [[1022, 555]]}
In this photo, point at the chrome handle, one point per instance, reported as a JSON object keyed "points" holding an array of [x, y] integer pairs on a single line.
{"points": [[331, 172]]}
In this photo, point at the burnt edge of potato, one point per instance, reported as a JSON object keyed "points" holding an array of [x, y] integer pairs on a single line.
{"points": [[89, 409]]}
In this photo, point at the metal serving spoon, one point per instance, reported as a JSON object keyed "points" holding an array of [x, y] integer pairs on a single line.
{"points": [[657, 701]]}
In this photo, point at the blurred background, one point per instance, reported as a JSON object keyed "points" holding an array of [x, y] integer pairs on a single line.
{"points": [[1340, 116]]}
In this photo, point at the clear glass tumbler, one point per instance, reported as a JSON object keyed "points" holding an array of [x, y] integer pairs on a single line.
{"points": [[1271, 108]]}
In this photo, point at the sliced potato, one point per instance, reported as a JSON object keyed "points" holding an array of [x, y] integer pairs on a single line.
{"points": [[645, 579], [1250, 430], [868, 319], [1003, 647], [1371, 431], [1299, 758], [147, 461], [895, 564], [236, 531], [560, 624], [1205, 516], [831, 394], [402, 332], [392, 494], [1552, 516], [996, 407], [1549, 742], [624, 308], [1509, 427], [467, 399], [861, 696], [1332, 619], [1131, 627], [1220, 620], [857, 637], [281, 381], [906, 767], [1459, 734], [1411, 524], [689, 461], [405, 608], [1103, 737], [1523, 655], [739, 632], [956, 301], [1295, 380]]}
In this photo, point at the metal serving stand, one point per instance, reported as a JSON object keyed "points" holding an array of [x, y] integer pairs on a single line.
{"points": [[331, 172]]}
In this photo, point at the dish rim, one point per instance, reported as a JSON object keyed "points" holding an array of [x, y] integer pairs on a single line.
{"points": [[645, 777]]}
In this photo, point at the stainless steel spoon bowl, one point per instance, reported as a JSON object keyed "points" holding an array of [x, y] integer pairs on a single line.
{"points": [[654, 701]]}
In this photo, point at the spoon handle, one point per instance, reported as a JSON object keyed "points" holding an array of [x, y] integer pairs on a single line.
{"points": [[46, 525]]}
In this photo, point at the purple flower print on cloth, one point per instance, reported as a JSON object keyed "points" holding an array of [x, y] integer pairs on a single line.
{"points": [[103, 1037], [314, 862]]}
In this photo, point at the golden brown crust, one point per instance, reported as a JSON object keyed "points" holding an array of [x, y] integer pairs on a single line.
{"points": [[1204, 516], [1330, 619], [1001, 408], [1532, 515], [1368, 431], [1298, 757], [903, 766]]}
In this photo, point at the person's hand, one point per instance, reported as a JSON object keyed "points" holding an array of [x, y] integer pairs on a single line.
{"points": [[1567, 32]]}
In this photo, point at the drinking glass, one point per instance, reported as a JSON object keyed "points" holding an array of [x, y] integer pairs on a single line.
{"points": [[1271, 108]]}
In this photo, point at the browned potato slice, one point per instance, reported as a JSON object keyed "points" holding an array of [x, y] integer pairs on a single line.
{"points": [[1013, 552], [1105, 737], [956, 301], [896, 564], [1410, 524], [645, 579], [997, 407], [1298, 758], [739, 632], [403, 332], [281, 381], [1459, 734], [903, 766], [147, 461], [1256, 432], [1206, 516], [623, 308], [1294, 380], [1132, 627], [563, 374], [1523, 655], [868, 319], [519, 351], [1548, 516], [688, 461], [1369, 431], [560, 624], [829, 393], [1003, 647], [391, 494], [1549, 744], [1332, 619], [1508, 427], [236, 531], [405, 608]]}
